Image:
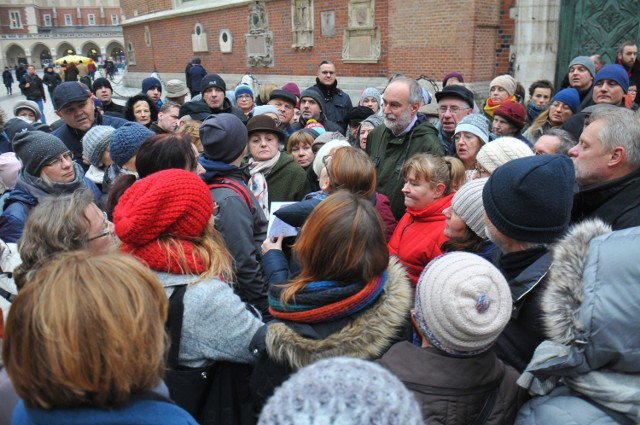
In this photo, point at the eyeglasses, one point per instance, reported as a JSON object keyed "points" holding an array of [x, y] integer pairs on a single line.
{"points": [[244, 96], [67, 156], [560, 105], [452, 109], [325, 160], [106, 228]]}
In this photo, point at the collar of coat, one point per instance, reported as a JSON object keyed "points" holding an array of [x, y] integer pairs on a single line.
{"points": [[367, 336]]}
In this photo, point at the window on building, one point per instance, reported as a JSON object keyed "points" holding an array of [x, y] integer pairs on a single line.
{"points": [[114, 19], [91, 18], [14, 19], [47, 20], [67, 20]]}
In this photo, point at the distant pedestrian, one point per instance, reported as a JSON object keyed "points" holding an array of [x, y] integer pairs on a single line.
{"points": [[51, 79], [7, 79], [32, 87]]}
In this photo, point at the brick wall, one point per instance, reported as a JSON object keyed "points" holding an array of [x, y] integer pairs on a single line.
{"points": [[5, 21], [505, 36], [418, 37]]}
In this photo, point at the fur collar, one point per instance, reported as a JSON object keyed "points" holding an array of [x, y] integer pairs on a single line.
{"points": [[562, 298], [367, 336]]}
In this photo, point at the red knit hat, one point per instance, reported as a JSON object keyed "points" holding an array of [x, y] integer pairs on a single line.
{"points": [[512, 112], [170, 202]]}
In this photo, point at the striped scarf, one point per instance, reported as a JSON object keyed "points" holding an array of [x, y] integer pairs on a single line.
{"points": [[491, 106], [325, 301]]}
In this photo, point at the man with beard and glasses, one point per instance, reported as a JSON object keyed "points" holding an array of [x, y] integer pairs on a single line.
{"points": [[405, 133]]}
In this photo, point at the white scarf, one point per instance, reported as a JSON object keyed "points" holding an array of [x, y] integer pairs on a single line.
{"points": [[258, 181]]}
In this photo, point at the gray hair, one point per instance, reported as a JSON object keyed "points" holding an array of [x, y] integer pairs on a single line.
{"points": [[566, 139], [415, 91], [621, 128]]}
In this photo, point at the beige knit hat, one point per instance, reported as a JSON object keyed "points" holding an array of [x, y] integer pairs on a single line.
{"points": [[462, 303], [467, 204], [500, 151], [507, 82]]}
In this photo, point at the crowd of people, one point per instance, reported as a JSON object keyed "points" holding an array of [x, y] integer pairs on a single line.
{"points": [[448, 260]]}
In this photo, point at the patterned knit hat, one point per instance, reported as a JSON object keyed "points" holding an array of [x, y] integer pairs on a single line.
{"points": [[36, 148], [96, 141], [500, 151], [462, 303], [476, 124], [126, 140], [174, 201], [507, 82], [467, 204], [342, 391], [243, 89]]}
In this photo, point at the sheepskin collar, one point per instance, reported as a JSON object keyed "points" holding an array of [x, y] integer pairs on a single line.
{"points": [[367, 336], [562, 299]]}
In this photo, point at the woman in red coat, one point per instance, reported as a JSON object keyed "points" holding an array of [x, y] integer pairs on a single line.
{"points": [[427, 192]]}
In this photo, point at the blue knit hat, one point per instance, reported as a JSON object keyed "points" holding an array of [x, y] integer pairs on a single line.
{"points": [[530, 199], [151, 82], [613, 72], [569, 97], [476, 124], [126, 140], [243, 89]]}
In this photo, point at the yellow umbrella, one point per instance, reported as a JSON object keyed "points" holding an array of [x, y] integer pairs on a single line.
{"points": [[73, 58]]}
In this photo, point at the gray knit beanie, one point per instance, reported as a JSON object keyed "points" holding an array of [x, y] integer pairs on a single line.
{"points": [[476, 124], [501, 151], [462, 303], [35, 148], [126, 140], [467, 204], [224, 137], [342, 391], [584, 61], [96, 141]]}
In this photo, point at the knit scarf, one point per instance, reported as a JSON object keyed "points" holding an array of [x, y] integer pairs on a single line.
{"points": [[258, 181], [325, 301], [158, 258], [533, 111], [39, 189], [215, 169], [490, 106]]}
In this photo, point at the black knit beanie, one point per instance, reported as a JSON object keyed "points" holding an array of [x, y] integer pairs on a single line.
{"points": [[530, 199]]}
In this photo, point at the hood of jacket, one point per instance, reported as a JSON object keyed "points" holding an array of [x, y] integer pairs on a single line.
{"points": [[367, 336], [591, 300]]}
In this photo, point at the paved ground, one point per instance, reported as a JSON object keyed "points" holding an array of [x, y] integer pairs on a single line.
{"points": [[7, 102]]}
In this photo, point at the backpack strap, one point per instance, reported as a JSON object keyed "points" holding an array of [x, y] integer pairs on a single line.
{"points": [[174, 323], [487, 408], [240, 189]]}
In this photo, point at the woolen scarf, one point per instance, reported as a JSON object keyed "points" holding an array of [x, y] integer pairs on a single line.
{"points": [[327, 300], [490, 106], [39, 189], [258, 180]]}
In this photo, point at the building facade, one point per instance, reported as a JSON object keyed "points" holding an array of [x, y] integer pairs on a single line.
{"points": [[40, 31]]}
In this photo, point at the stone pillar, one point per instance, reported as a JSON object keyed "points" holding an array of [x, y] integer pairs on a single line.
{"points": [[536, 40]]}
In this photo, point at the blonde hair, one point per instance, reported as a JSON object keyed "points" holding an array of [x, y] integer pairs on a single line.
{"points": [[435, 169], [208, 247], [86, 330], [265, 91], [192, 128]]}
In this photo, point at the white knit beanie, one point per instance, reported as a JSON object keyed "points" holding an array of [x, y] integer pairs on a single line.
{"points": [[467, 204], [505, 81], [462, 303], [342, 391], [500, 151]]}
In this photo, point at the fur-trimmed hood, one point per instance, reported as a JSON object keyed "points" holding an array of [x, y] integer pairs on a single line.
{"points": [[592, 297], [367, 336]]}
